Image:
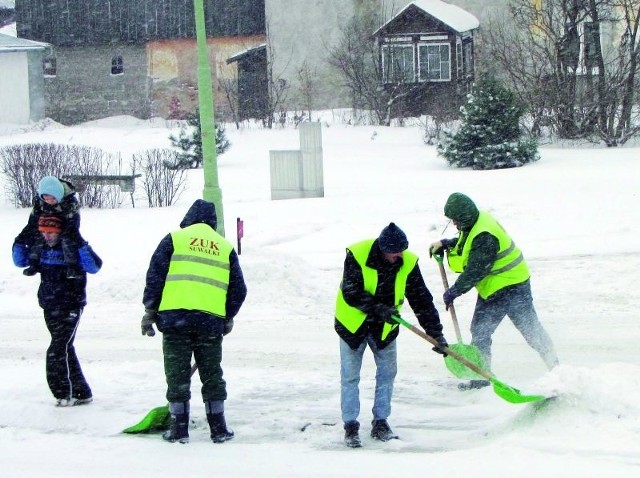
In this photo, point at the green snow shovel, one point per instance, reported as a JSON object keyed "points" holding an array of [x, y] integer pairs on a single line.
{"points": [[504, 391], [157, 419], [470, 352]]}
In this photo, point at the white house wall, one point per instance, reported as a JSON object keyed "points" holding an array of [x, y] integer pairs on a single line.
{"points": [[302, 30], [14, 88]]}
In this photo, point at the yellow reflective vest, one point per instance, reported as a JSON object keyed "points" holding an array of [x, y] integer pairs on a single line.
{"points": [[510, 268], [351, 317], [198, 276]]}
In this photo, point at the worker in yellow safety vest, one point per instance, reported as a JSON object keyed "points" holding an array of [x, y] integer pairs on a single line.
{"points": [[193, 291], [378, 275], [488, 259]]}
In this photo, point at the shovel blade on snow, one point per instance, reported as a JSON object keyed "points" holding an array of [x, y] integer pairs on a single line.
{"points": [[157, 419], [469, 352], [513, 395]]}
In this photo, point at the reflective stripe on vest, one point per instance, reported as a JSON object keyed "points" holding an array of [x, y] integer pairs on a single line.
{"points": [[198, 276], [351, 317], [509, 268]]}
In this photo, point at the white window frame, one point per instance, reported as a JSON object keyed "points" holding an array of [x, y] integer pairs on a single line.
{"points": [[582, 59], [431, 56], [389, 73]]}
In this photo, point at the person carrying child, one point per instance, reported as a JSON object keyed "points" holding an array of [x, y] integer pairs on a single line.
{"points": [[55, 198]]}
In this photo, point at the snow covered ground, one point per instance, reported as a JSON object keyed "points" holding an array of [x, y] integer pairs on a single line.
{"points": [[574, 213]]}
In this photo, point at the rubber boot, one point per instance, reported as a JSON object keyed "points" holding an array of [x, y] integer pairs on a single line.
{"points": [[217, 423], [179, 427]]}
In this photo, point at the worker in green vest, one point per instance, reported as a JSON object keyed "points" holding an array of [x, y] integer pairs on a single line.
{"points": [[194, 289], [378, 275], [487, 258]]}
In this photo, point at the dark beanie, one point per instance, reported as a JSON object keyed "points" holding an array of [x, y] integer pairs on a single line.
{"points": [[392, 239]]}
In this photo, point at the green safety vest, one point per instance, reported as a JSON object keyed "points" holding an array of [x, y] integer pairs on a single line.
{"points": [[351, 317], [198, 276], [509, 268]]}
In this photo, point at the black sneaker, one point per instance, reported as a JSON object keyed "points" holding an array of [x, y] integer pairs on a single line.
{"points": [[382, 431], [30, 271], [473, 384], [351, 436]]}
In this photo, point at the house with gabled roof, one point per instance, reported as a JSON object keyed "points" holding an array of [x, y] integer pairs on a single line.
{"points": [[427, 56], [21, 81]]}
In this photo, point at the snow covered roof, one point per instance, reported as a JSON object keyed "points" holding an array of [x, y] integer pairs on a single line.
{"points": [[9, 43], [240, 55], [458, 19]]}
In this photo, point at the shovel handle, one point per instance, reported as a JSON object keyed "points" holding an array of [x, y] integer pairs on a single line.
{"points": [[434, 342], [452, 310]]}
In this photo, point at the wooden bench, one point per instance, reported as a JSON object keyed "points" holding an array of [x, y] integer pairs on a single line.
{"points": [[126, 182]]}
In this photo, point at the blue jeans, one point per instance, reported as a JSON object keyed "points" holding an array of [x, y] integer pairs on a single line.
{"points": [[517, 303], [350, 365]]}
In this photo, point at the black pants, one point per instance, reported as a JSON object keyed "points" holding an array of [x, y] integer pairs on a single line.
{"points": [[206, 349], [64, 374]]}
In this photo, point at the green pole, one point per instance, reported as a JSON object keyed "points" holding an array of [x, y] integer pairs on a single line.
{"points": [[212, 191]]}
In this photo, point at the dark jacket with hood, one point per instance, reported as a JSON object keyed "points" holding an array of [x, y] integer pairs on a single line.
{"points": [[416, 293], [485, 246], [56, 291], [68, 210], [181, 320]]}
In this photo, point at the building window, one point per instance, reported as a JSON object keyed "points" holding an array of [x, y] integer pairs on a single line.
{"points": [[469, 70], [49, 67], [398, 64], [459, 60], [434, 62], [590, 47], [117, 65]]}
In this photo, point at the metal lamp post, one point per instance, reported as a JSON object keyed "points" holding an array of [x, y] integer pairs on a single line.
{"points": [[212, 191]]}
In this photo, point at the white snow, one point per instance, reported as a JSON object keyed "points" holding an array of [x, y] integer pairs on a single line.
{"points": [[574, 214], [452, 15]]}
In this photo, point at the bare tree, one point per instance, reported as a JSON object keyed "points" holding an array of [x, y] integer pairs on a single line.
{"points": [[229, 86], [308, 86], [554, 59]]}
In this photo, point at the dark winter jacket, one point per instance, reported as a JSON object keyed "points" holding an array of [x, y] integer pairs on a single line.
{"points": [[485, 246], [191, 320], [68, 210], [417, 294], [56, 291]]}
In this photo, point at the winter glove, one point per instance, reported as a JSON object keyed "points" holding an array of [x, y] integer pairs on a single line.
{"points": [[384, 313], [449, 295], [228, 326], [442, 343], [148, 319], [437, 249]]}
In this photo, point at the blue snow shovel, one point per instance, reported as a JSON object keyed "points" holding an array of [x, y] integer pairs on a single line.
{"points": [[504, 391]]}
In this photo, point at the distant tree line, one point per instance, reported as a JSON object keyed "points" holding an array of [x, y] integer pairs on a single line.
{"points": [[96, 22]]}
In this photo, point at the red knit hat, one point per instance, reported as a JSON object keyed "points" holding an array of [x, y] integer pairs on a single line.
{"points": [[50, 224]]}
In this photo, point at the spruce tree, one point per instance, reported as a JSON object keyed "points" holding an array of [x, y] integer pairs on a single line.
{"points": [[189, 141], [489, 136]]}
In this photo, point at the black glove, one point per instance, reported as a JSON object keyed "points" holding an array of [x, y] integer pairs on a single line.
{"points": [[449, 295], [148, 319], [385, 313], [437, 249], [228, 326], [442, 343]]}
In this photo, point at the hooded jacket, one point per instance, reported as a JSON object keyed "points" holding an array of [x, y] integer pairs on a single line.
{"points": [[484, 249], [201, 212]]}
